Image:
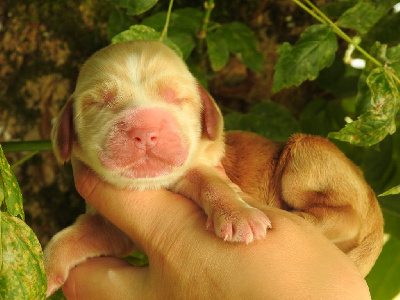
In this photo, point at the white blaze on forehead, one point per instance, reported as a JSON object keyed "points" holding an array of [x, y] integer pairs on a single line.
{"points": [[133, 68]]}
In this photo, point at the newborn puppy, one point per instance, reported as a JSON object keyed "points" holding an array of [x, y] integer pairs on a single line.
{"points": [[139, 119]]}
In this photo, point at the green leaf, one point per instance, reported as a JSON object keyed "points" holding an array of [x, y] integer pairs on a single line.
{"points": [[22, 271], [268, 119], [314, 51], [391, 203], [10, 193], [138, 259], [373, 126], [187, 20], [384, 278], [241, 39], [339, 78], [320, 117], [393, 191], [58, 295], [144, 33], [377, 164], [183, 26], [135, 7], [217, 50], [392, 222], [183, 41], [393, 58], [117, 22], [365, 14], [385, 31], [337, 8]]}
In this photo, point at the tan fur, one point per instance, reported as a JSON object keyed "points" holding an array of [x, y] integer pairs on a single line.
{"points": [[308, 175], [312, 178]]}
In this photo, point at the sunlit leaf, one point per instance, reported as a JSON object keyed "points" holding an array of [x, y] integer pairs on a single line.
{"points": [[393, 191], [10, 193], [144, 33], [314, 51], [22, 271], [373, 126]]}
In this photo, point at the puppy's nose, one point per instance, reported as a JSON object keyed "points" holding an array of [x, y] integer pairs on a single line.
{"points": [[144, 138]]}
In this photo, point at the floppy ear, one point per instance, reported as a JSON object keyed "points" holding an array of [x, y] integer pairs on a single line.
{"points": [[62, 134], [211, 117]]}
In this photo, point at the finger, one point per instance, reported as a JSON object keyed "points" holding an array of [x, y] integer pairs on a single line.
{"points": [[118, 278], [144, 215]]}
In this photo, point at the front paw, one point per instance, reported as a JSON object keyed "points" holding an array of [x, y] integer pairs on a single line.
{"points": [[243, 224], [61, 254], [56, 267], [55, 279]]}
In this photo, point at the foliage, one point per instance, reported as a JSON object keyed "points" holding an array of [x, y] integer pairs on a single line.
{"points": [[361, 115], [314, 51], [21, 274]]}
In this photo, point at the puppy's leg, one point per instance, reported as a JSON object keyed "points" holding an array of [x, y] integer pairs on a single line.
{"points": [[231, 218], [320, 184], [90, 236]]}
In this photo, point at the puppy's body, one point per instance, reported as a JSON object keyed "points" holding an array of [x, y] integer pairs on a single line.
{"points": [[310, 177], [139, 120]]}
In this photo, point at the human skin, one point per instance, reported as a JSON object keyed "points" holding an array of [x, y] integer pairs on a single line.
{"points": [[294, 261]]}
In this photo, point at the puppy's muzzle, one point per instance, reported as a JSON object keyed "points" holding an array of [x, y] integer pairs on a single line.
{"points": [[144, 143]]}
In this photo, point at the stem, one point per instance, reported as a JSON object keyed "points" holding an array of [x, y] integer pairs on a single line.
{"points": [[304, 7], [165, 30], [26, 146], [202, 34], [25, 158], [343, 35], [336, 29]]}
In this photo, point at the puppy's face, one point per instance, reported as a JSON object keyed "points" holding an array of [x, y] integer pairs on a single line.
{"points": [[137, 115]]}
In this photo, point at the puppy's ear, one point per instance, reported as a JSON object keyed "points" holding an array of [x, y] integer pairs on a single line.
{"points": [[211, 117], [63, 134]]}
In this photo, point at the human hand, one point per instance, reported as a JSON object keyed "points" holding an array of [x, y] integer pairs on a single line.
{"points": [[294, 261]]}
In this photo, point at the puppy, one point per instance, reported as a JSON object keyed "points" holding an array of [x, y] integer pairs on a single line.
{"points": [[139, 119]]}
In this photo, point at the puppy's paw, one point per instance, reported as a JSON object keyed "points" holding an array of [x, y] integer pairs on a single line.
{"points": [[244, 224], [56, 272], [55, 281], [59, 257]]}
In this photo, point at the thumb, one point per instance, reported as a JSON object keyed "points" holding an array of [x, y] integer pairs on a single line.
{"points": [[119, 280]]}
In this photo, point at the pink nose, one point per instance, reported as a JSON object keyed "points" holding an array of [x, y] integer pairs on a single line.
{"points": [[144, 138]]}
